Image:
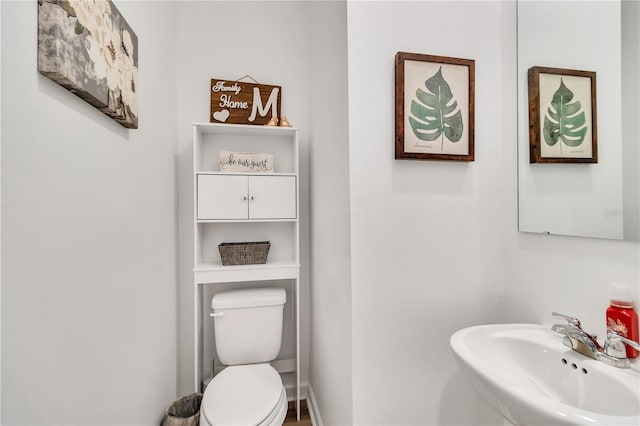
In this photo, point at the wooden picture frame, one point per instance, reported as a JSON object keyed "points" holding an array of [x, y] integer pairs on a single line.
{"points": [[434, 107], [562, 116]]}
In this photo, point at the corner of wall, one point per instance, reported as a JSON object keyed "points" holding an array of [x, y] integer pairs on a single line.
{"points": [[314, 411], [330, 371]]}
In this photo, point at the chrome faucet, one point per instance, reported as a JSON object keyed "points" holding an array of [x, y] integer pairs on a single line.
{"points": [[575, 337], [613, 353]]}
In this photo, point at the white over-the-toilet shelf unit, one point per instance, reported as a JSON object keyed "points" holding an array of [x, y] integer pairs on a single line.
{"points": [[241, 207]]}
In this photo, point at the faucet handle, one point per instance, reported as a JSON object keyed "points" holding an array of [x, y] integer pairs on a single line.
{"points": [[571, 320], [614, 345], [614, 352]]}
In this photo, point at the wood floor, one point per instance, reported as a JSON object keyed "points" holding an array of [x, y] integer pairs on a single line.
{"points": [[305, 419]]}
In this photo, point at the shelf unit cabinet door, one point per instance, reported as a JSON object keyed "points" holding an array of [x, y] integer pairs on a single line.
{"points": [[222, 197], [272, 197]]}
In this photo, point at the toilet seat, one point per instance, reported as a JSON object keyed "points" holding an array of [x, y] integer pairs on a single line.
{"points": [[279, 413], [244, 395]]}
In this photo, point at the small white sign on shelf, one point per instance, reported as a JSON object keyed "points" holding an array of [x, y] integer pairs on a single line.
{"points": [[231, 161]]}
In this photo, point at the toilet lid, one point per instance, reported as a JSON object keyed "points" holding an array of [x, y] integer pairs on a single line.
{"points": [[242, 395]]}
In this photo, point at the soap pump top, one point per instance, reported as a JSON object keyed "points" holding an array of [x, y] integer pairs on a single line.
{"points": [[621, 317]]}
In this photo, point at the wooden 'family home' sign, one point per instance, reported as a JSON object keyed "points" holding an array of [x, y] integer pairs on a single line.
{"points": [[236, 102]]}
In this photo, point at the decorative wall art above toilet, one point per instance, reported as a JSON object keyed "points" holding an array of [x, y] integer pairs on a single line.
{"points": [[434, 107], [90, 49], [562, 116], [238, 102]]}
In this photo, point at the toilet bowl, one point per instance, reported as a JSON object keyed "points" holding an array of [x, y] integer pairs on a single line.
{"points": [[244, 395], [248, 333]]}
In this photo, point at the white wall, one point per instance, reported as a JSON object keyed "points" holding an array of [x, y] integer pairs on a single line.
{"points": [[269, 41], [425, 235], [88, 237], [330, 368]]}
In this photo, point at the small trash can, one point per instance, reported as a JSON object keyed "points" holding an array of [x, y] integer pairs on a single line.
{"points": [[184, 411]]}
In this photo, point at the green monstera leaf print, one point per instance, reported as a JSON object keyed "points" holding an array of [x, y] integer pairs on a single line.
{"points": [[564, 119], [434, 112]]}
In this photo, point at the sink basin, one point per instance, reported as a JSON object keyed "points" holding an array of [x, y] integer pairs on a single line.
{"points": [[527, 374]]}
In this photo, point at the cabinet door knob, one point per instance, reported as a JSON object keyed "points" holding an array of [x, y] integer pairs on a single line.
{"points": [[244, 198], [251, 197]]}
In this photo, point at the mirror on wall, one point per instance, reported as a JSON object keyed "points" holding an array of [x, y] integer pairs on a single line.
{"points": [[587, 199]]}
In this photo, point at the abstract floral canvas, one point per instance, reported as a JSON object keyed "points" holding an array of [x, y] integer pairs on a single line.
{"points": [[89, 48]]}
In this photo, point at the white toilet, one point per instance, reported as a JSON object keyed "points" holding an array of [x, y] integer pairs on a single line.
{"points": [[248, 334]]}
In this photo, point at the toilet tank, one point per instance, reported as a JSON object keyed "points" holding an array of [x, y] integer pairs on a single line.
{"points": [[248, 324]]}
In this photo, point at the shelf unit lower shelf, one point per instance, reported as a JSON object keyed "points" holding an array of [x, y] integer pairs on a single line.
{"points": [[206, 273]]}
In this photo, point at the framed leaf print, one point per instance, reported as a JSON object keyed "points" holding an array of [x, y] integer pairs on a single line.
{"points": [[562, 116], [435, 98]]}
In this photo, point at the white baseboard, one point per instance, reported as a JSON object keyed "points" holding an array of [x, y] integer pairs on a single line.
{"points": [[312, 405], [291, 390]]}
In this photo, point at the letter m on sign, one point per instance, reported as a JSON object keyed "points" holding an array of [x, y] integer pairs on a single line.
{"points": [[273, 104]]}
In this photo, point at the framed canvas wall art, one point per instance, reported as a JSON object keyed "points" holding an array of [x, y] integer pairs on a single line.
{"points": [[90, 49], [562, 116], [434, 107]]}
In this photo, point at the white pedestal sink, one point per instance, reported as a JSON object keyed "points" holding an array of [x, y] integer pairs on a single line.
{"points": [[527, 374]]}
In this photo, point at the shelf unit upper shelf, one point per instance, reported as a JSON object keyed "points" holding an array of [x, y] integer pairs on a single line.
{"points": [[242, 129], [213, 138], [198, 172]]}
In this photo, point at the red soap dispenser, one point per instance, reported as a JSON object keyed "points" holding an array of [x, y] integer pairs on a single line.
{"points": [[621, 317]]}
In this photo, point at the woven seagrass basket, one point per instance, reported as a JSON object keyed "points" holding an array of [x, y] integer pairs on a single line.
{"points": [[249, 253]]}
